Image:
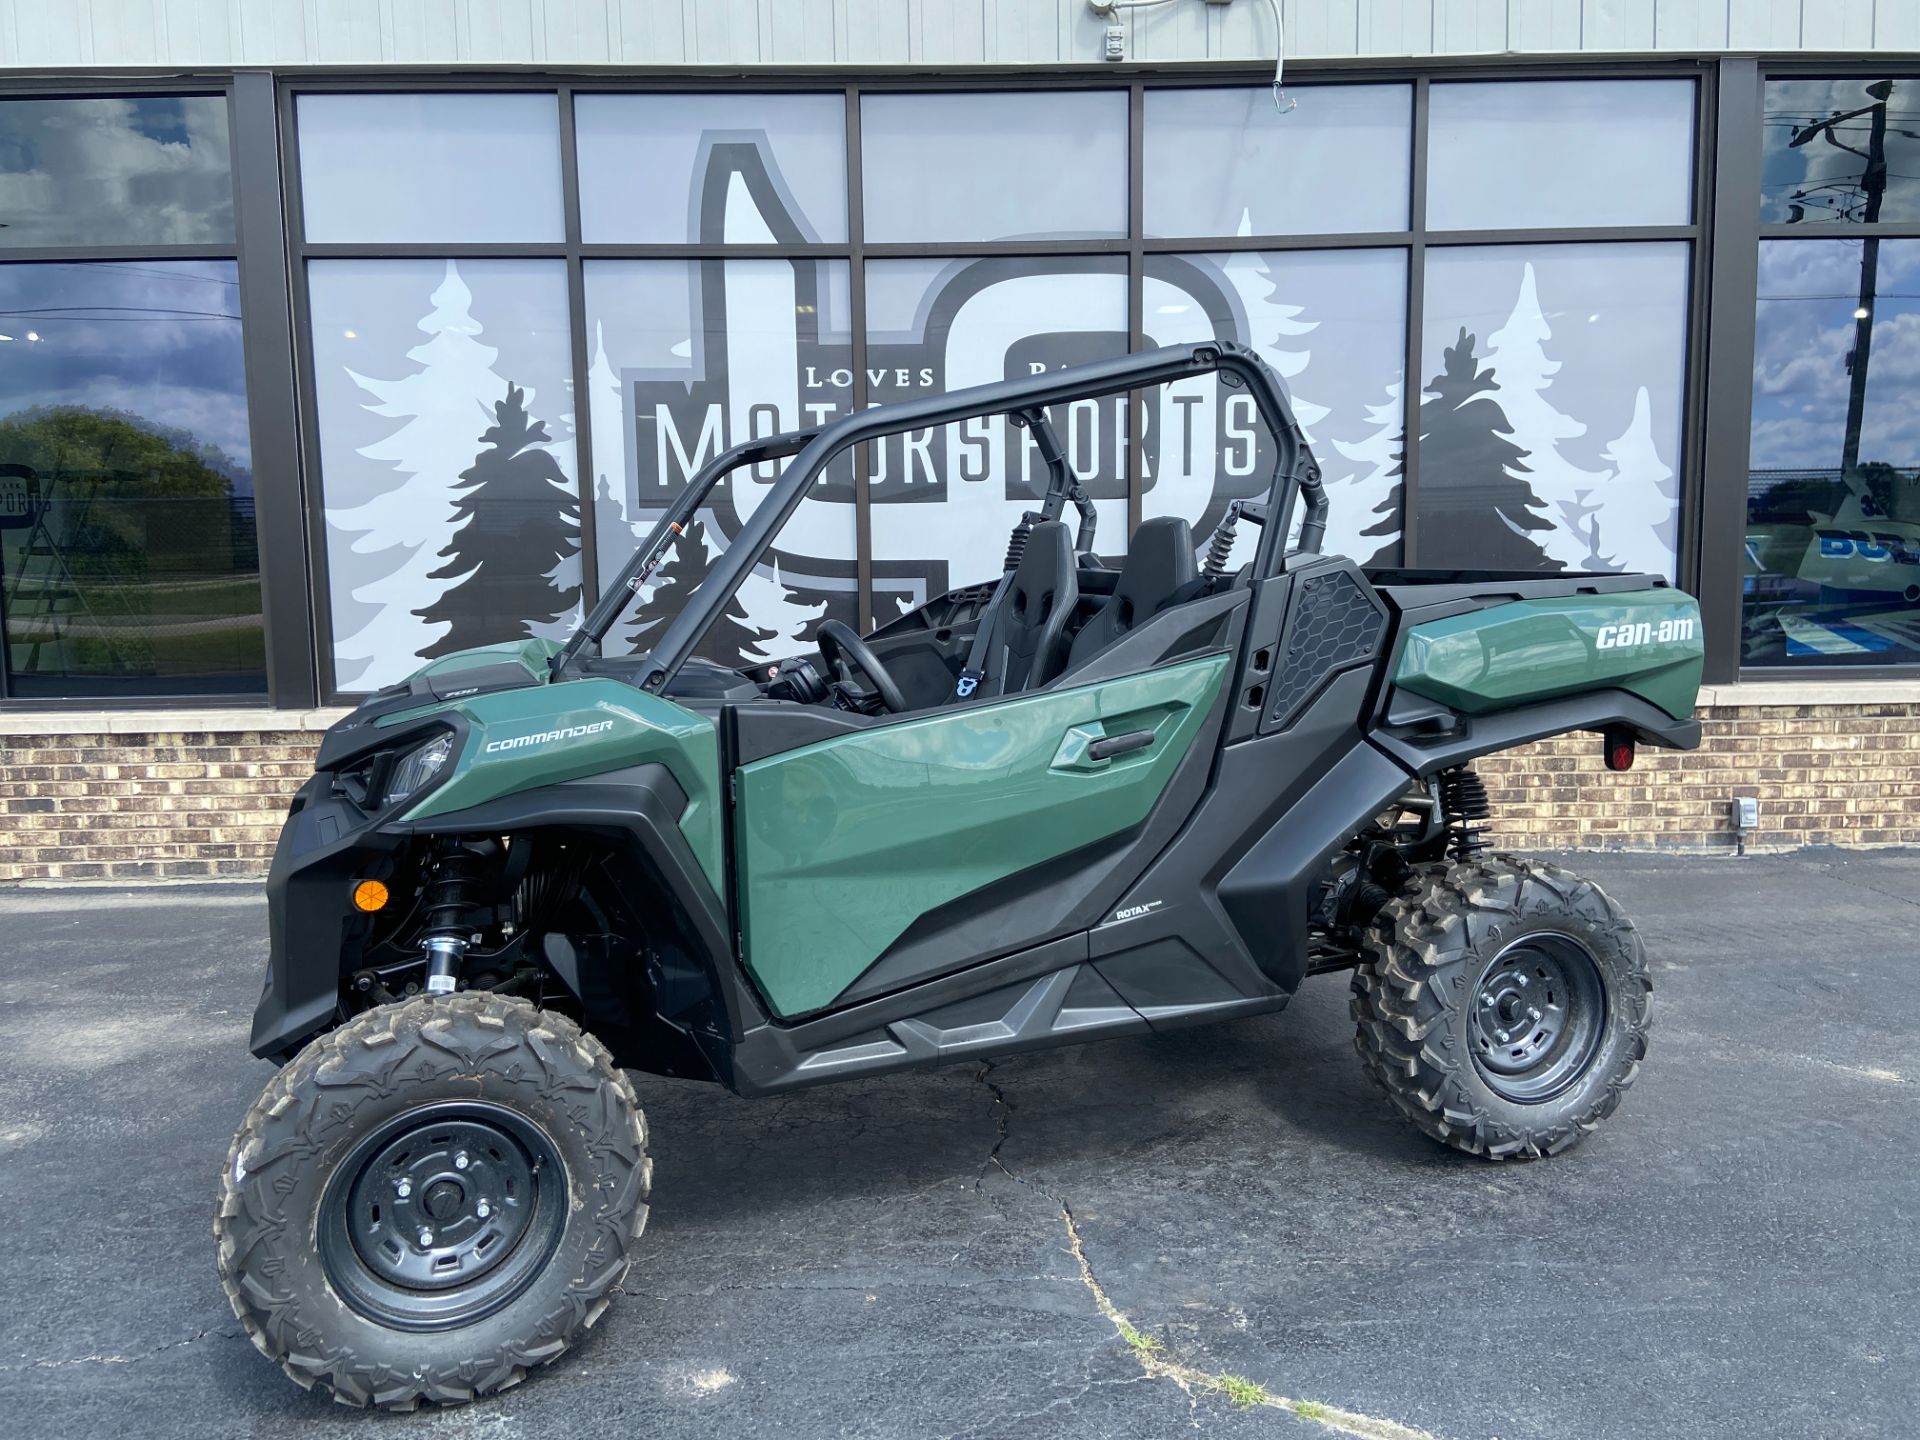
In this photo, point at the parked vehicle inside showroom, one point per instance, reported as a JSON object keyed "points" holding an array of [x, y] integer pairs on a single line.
{"points": [[1079, 799]]}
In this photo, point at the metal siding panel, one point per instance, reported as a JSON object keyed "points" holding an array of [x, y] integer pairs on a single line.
{"points": [[949, 32], [651, 33], [52, 35], [1616, 25], [1396, 27], [123, 32], [1763, 24], [424, 32], [575, 32], [1854, 19], [1242, 32], [1323, 27], [1536, 26], [1463, 27], [877, 32], [271, 33], [347, 32], [1690, 24], [1024, 32], [1168, 32], [200, 32], [1896, 25]]}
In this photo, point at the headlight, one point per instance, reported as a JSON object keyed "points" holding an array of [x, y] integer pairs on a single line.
{"points": [[418, 766]]}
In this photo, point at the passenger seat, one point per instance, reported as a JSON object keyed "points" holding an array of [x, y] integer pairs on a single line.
{"points": [[1159, 562]]}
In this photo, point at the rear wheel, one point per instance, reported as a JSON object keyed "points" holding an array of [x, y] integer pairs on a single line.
{"points": [[1503, 1006], [432, 1200]]}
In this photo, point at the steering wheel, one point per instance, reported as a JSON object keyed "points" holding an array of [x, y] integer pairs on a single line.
{"points": [[842, 649]]}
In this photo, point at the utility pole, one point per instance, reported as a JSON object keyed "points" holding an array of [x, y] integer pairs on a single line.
{"points": [[1873, 187]]}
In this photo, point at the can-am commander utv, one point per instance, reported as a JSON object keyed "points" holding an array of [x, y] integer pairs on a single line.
{"points": [[1078, 800]]}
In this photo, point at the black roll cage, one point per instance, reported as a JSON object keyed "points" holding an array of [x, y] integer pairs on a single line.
{"points": [[1024, 401]]}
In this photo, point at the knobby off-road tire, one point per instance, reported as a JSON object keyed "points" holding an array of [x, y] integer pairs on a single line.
{"points": [[1474, 952], [471, 1102]]}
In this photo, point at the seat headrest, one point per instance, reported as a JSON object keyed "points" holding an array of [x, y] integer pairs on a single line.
{"points": [[1159, 561]]}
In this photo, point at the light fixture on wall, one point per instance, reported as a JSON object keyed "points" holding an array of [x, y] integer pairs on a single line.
{"points": [[1116, 39]]}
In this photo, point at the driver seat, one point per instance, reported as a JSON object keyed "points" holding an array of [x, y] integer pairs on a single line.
{"points": [[1027, 636]]}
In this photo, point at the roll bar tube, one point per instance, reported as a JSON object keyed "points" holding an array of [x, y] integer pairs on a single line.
{"points": [[815, 449]]}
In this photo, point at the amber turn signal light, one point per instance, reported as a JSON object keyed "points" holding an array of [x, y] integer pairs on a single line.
{"points": [[369, 895]]}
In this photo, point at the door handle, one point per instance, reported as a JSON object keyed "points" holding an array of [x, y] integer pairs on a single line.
{"points": [[1108, 746]]}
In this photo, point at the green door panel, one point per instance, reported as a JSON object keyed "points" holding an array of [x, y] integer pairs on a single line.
{"points": [[544, 734], [842, 845], [1645, 641]]}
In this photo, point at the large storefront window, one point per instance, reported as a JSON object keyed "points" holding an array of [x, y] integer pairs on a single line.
{"points": [[119, 170], [427, 169], [724, 246], [1550, 418], [946, 499], [443, 395], [994, 165], [691, 357], [127, 556], [128, 561], [1833, 501], [1336, 165], [1832, 561], [1332, 323]]}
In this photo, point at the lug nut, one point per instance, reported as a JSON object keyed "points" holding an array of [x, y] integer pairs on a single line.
{"points": [[403, 1188], [483, 1209], [460, 1161], [426, 1239]]}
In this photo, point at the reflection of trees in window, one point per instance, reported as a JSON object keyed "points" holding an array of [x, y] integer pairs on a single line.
{"points": [[140, 560]]}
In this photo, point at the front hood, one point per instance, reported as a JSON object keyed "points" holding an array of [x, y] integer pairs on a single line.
{"points": [[485, 669]]}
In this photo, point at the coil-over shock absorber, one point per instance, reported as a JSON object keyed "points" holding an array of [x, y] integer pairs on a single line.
{"points": [[458, 879], [1017, 541], [1220, 547], [1463, 803]]}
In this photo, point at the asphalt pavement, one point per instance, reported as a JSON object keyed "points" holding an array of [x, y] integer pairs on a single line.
{"points": [[965, 1252]]}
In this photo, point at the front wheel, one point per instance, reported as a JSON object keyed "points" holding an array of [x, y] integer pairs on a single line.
{"points": [[432, 1200], [1503, 1006]]}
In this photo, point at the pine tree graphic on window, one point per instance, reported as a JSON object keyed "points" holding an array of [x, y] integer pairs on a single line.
{"points": [[1476, 508], [730, 639], [1391, 522], [515, 520]]}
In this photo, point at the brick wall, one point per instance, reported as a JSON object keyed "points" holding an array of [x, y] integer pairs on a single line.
{"points": [[147, 804], [1824, 775], [122, 798]]}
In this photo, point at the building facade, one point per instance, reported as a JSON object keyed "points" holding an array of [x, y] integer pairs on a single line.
{"points": [[335, 336]]}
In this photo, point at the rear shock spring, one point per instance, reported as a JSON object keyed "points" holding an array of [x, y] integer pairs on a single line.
{"points": [[1220, 547], [1463, 801], [1017, 542]]}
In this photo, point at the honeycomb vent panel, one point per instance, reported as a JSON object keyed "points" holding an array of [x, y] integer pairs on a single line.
{"points": [[1335, 625]]}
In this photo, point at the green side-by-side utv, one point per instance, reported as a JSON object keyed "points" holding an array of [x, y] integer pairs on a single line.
{"points": [[1080, 799]]}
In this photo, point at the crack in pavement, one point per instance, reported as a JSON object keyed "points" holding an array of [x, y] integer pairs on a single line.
{"points": [[224, 1334], [1149, 1352]]}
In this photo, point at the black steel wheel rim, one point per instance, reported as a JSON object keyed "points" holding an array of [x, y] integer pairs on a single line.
{"points": [[1539, 1015], [442, 1215]]}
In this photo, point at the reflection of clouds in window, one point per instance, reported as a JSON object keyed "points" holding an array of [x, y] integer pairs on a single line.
{"points": [[115, 171], [1804, 333], [1818, 135], [157, 340]]}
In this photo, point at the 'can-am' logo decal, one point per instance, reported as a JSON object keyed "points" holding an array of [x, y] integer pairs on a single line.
{"points": [[572, 732], [1643, 632]]}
